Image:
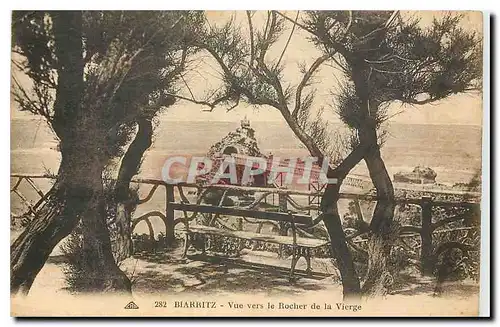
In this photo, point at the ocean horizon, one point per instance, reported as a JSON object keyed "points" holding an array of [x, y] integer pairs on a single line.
{"points": [[453, 151]]}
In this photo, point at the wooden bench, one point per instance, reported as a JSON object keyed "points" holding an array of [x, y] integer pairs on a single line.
{"points": [[301, 246]]}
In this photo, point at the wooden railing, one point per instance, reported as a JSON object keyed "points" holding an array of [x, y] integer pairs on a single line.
{"points": [[287, 199]]}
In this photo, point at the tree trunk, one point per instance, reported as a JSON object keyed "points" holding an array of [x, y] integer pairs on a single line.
{"points": [[340, 251], [382, 229], [68, 200], [126, 202], [427, 258], [78, 187], [103, 271], [329, 208], [55, 220]]}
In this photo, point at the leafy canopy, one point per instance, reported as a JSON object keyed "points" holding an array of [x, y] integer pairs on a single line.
{"points": [[131, 62]]}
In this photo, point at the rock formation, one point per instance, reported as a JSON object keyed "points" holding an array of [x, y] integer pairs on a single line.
{"points": [[242, 141], [239, 142], [419, 175]]}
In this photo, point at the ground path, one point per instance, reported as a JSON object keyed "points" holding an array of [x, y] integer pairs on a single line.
{"points": [[166, 276]]}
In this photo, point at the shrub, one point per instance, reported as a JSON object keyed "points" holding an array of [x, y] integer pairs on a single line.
{"points": [[79, 273]]}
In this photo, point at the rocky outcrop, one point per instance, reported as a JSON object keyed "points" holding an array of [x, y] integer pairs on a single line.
{"points": [[419, 175], [241, 141]]}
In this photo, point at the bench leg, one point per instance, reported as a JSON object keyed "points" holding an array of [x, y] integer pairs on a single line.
{"points": [[241, 246], [307, 256], [186, 245], [295, 258], [203, 248]]}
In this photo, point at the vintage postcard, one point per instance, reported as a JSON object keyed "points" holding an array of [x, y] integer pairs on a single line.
{"points": [[248, 163]]}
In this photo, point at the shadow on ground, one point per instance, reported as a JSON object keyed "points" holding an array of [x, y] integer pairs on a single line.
{"points": [[417, 285], [165, 272]]}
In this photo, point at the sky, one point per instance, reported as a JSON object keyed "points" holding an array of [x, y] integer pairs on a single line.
{"points": [[462, 109], [204, 75]]}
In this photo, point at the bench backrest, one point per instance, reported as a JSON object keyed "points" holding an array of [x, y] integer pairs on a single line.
{"points": [[264, 215]]}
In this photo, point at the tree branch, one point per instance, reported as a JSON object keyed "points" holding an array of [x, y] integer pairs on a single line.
{"points": [[26, 103], [267, 38], [252, 45], [298, 95], [252, 98], [381, 28], [236, 103], [130, 63], [211, 105], [349, 162], [178, 68], [296, 23], [417, 102], [289, 38]]}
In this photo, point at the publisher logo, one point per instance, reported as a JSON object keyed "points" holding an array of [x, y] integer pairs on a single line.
{"points": [[131, 305]]}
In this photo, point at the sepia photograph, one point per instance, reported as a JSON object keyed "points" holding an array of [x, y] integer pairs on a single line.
{"points": [[272, 163]]}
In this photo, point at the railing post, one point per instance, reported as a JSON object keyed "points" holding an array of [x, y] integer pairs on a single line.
{"points": [[426, 252], [169, 216], [282, 201], [309, 199]]}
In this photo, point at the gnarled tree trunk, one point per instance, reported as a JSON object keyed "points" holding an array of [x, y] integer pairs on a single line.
{"points": [[70, 194], [329, 207], [54, 221], [68, 201], [382, 229], [79, 182], [126, 202], [340, 251], [96, 250]]}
